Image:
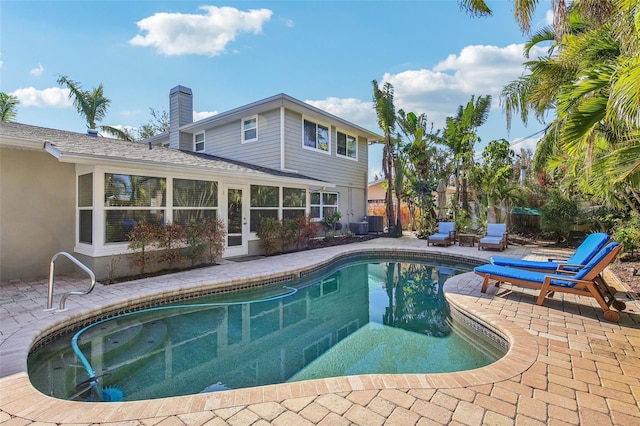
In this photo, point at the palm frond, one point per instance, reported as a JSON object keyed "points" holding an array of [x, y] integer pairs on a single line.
{"points": [[625, 92], [475, 7]]}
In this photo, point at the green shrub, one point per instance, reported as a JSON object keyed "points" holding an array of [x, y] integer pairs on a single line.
{"points": [[558, 215], [627, 233], [269, 231], [330, 221], [194, 244]]}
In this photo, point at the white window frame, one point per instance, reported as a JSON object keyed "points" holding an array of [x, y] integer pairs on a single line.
{"points": [[195, 142], [317, 123], [347, 136], [243, 130], [321, 205], [99, 247], [85, 208]]}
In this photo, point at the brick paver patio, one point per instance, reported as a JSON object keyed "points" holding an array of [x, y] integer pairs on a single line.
{"points": [[566, 365]]}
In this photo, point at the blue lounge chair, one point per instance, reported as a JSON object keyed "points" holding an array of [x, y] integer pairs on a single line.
{"points": [[495, 238], [580, 257], [445, 236], [585, 282]]}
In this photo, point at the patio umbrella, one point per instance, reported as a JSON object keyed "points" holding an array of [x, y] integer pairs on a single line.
{"points": [[442, 199]]}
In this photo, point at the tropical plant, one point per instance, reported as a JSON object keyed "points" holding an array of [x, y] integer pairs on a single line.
{"points": [[460, 136], [331, 220], [386, 112], [627, 233], [424, 167], [8, 107], [558, 215], [194, 245], [269, 231], [591, 82], [92, 105]]}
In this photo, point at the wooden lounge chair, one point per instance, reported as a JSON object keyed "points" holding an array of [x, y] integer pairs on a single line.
{"points": [[584, 282], [580, 257], [445, 236], [495, 238]]}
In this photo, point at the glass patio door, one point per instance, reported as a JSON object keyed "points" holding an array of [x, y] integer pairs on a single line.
{"points": [[236, 221]]}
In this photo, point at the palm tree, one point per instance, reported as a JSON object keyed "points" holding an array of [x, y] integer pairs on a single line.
{"points": [[460, 136], [386, 111], [92, 106], [592, 82], [8, 105]]}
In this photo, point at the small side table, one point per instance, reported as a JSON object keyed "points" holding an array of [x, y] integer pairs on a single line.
{"points": [[468, 240]]}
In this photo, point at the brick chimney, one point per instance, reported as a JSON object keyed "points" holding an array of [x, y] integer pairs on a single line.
{"points": [[180, 113]]}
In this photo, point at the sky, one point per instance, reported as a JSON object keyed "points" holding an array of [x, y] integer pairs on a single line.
{"points": [[233, 53]]}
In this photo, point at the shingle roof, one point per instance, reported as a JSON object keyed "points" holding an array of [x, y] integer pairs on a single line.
{"points": [[70, 145]]}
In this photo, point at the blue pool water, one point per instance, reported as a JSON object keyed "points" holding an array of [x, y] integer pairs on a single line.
{"points": [[383, 316]]}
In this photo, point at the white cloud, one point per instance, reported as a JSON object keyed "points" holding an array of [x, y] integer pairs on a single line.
{"points": [[476, 70], [203, 114], [548, 17], [525, 143], [350, 109], [198, 34], [37, 71], [53, 97]]}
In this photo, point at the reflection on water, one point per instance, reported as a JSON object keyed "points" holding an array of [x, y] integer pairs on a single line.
{"points": [[384, 317]]}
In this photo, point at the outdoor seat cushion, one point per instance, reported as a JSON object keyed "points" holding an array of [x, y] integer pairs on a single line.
{"points": [[491, 240], [439, 237], [505, 273], [581, 256], [524, 264]]}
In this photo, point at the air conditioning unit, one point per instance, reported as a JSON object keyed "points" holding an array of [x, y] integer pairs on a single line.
{"points": [[359, 228], [376, 223]]}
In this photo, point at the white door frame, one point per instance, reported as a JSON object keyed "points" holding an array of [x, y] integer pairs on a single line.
{"points": [[243, 248]]}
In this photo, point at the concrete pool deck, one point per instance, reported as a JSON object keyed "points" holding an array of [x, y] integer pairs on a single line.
{"points": [[566, 364]]}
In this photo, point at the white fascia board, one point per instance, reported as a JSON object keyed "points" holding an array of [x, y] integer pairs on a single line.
{"points": [[21, 143], [188, 169]]}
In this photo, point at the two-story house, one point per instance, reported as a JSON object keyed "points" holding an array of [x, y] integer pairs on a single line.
{"points": [[278, 157]]}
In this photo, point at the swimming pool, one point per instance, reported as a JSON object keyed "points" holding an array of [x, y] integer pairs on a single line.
{"points": [[381, 316]]}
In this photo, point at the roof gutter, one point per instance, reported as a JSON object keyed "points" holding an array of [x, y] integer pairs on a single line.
{"points": [[117, 161]]}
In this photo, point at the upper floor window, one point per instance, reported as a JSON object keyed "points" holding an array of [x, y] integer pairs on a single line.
{"points": [[198, 142], [250, 129], [316, 136], [347, 145]]}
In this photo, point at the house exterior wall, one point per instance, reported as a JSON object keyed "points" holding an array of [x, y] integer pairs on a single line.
{"points": [[37, 213], [226, 141], [330, 168]]}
